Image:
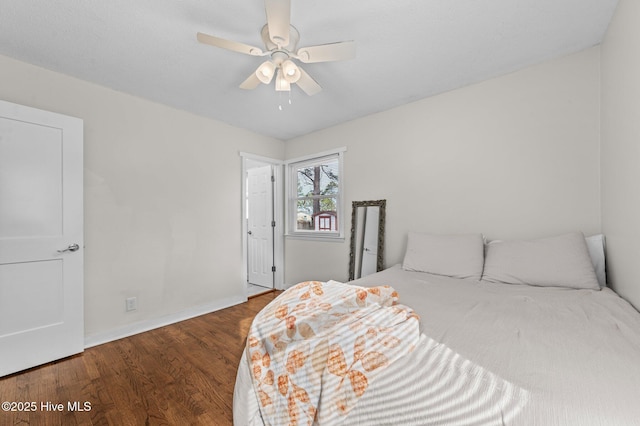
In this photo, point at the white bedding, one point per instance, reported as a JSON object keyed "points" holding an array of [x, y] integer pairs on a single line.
{"points": [[499, 354]]}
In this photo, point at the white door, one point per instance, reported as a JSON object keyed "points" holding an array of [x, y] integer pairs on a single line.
{"points": [[370, 244], [260, 226], [41, 237]]}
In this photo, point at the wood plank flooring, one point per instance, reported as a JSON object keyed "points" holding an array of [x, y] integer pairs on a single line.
{"points": [[181, 374]]}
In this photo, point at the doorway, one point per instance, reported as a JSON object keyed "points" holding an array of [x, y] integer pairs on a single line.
{"points": [[262, 224]]}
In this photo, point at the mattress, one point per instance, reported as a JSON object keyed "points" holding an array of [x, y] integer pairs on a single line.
{"points": [[499, 354]]}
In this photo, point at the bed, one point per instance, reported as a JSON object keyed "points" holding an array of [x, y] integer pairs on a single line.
{"points": [[500, 342]]}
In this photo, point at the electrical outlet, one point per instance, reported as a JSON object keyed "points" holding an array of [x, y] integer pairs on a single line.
{"points": [[132, 304]]}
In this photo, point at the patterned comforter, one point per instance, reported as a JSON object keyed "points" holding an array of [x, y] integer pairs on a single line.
{"points": [[314, 350]]}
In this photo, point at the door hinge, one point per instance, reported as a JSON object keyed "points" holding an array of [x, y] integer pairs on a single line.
{"points": [[273, 178], [273, 223], [273, 269]]}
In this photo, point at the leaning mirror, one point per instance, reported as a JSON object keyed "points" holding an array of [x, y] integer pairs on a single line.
{"points": [[367, 238]]}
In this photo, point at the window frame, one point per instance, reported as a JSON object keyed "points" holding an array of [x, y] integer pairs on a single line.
{"points": [[292, 196]]}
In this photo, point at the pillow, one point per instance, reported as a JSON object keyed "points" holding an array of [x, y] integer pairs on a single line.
{"points": [[561, 261], [595, 244], [459, 256]]}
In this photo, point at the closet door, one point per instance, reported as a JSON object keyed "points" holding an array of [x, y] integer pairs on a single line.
{"points": [[260, 226], [41, 237]]}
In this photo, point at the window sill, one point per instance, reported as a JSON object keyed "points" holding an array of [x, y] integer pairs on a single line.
{"points": [[335, 238]]}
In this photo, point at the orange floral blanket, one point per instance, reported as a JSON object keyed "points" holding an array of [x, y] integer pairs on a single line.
{"points": [[315, 349]]}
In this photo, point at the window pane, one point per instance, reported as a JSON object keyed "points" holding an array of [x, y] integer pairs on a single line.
{"points": [[315, 189], [304, 215], [318, 214], [318, 179]]}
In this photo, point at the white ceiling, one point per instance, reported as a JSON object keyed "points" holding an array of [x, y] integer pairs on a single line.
{"points": [[406, 50]]}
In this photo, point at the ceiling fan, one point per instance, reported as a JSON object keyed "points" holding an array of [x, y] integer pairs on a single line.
{"points": [[281, 40]]}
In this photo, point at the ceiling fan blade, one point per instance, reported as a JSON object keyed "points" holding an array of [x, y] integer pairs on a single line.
{"points": [[250, 83], [308, 84], [278, 20], [339, 51], [230, 45]]}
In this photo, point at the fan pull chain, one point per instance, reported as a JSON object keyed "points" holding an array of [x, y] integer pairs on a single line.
{"points": [[280, 100]]}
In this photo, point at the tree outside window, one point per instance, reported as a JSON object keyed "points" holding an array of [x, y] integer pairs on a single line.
{"points": [[317, 195]]}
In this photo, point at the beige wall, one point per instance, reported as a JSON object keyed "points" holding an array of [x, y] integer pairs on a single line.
{"points": [[162, 198], [516, 156], [621, 150]]}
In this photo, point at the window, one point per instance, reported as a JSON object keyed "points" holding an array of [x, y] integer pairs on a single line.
{"points": [[315, 196]]}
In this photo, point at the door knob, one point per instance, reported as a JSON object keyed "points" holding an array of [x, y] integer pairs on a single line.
{"points": [[72, 247], [250, 233]]}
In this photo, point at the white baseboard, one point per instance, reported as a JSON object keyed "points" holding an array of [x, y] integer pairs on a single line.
{"points": [[146, 325]]}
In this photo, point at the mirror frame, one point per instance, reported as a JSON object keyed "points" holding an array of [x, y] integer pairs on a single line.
{"points": [[382, 204]]}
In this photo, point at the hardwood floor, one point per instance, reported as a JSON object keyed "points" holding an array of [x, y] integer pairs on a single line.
{"points": [[182, 374]]}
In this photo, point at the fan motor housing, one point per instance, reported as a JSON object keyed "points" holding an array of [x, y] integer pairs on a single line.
{"points": [[294, 38]]}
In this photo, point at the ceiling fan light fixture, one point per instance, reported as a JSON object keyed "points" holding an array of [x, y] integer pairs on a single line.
{"points": [[291, 71], [282, 84], [281, 39], [265, 72]]}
